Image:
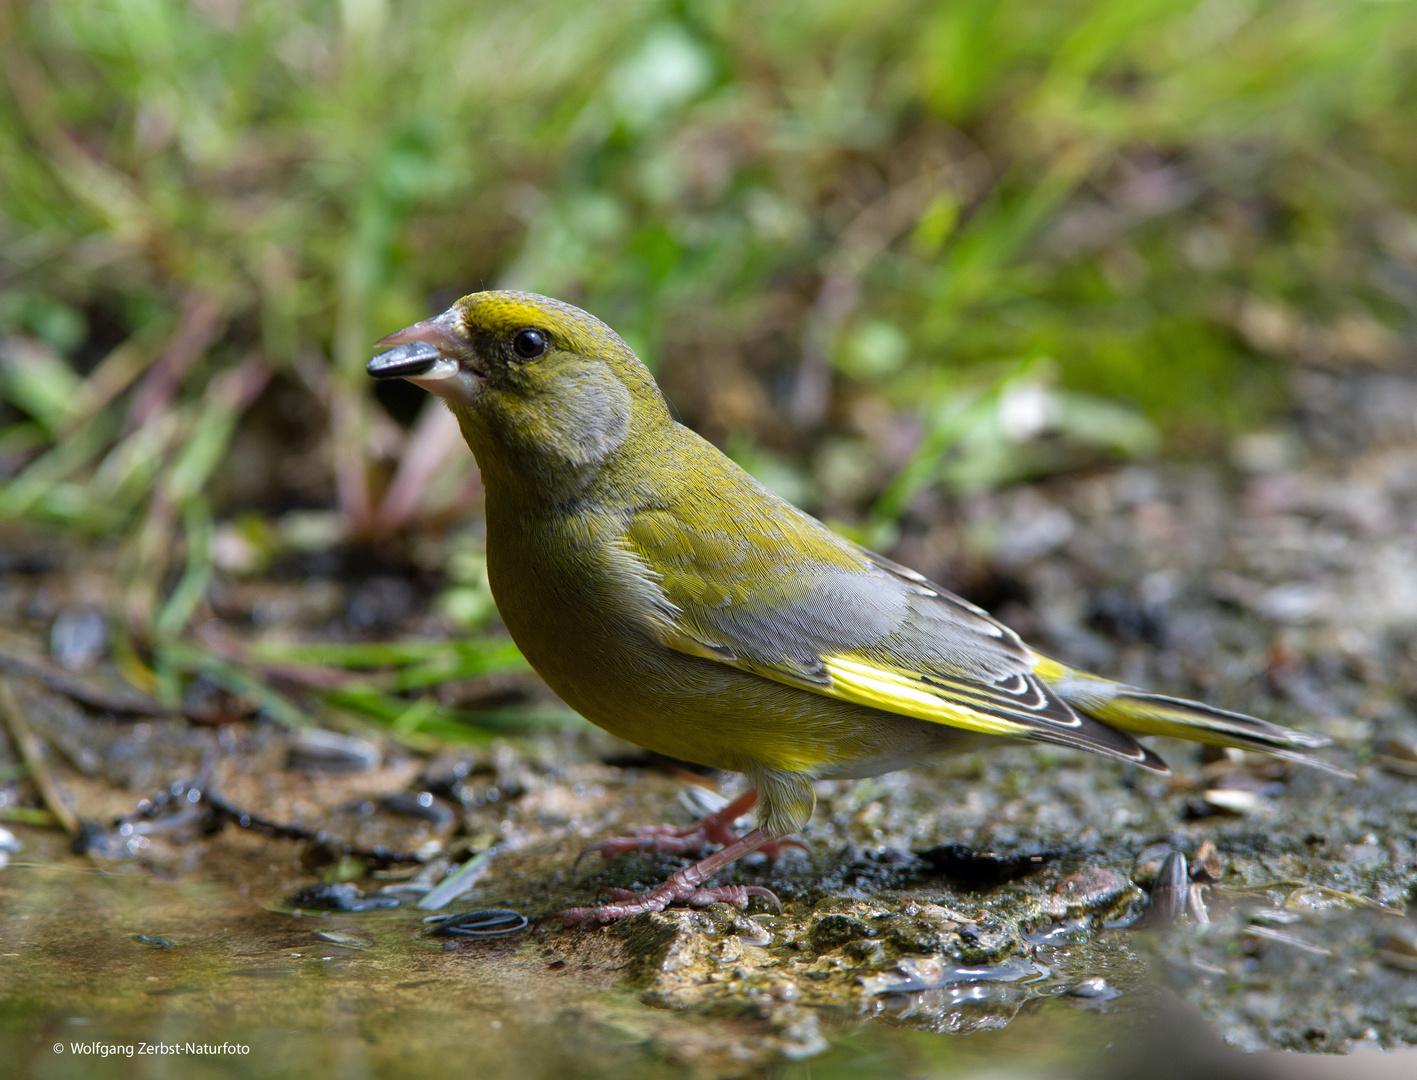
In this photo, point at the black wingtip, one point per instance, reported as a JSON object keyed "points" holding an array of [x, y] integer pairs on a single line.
{"points": [[1153, 761], [404, 361]]}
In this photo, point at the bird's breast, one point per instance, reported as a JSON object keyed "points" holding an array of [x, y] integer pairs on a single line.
{"points": [[584, 610]]}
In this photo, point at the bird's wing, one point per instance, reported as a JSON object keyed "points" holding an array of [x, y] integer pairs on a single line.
{"points": [[775, 592]]}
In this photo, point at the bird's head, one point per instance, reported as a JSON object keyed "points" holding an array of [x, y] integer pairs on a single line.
{"points": [[541, 388]]}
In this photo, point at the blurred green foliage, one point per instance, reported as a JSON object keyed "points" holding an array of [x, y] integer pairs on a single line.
{"points": [[1024, 234]]}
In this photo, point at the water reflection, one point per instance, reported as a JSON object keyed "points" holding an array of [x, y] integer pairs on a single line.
{"points": [[958, 1010]]}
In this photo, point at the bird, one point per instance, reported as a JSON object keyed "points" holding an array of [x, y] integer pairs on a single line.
{"points": [[670, 598]]}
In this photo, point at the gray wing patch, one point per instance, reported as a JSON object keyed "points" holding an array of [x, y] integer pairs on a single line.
{"points": [[884, 610], [976, 617], [819, 612]]}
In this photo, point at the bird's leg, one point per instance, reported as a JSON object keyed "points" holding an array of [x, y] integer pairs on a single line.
{"points": [[684, 886], [695, 839]]}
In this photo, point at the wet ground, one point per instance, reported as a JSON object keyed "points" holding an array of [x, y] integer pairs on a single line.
{"points": [[994, 912], [884, 963]]}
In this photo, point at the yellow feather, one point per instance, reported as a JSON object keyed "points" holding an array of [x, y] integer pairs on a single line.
{"points": [[901, 692], [1048, 669]]}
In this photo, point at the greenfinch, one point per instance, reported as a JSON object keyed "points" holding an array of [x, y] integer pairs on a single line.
{"points": [[672, 599]]}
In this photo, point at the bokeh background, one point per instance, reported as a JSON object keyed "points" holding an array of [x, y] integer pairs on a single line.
{"points": [[888, 255]]}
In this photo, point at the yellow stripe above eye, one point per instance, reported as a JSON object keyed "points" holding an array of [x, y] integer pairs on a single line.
{"points": [[901, 692]]}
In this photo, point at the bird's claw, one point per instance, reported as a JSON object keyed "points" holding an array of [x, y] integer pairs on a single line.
{"points": [[773, 848]]}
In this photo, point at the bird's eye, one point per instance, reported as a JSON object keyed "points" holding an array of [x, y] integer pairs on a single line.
{"points": [[529, 344]]}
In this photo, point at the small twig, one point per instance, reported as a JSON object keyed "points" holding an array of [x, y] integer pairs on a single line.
{"points": [[129, 703], [278, 830], [60, 868], [113, 374], [1297, 886], [33, 756], [199, 326], [151, 808], [85, 693], [190, 794], [1286, 939], [305, 676]]}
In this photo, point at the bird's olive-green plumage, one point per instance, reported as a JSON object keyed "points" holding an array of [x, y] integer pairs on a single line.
{"points": [[670, 598]]}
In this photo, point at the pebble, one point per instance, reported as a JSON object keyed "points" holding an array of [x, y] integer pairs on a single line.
{"points": [[340, 896], [1096, 988], [1233, 800], [79, 638], [1207, 868], [1087, 890], [754, 933], [319, 750], [420, 804]]}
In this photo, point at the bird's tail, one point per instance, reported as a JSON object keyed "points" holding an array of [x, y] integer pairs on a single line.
{"points": [[1139, 712]]}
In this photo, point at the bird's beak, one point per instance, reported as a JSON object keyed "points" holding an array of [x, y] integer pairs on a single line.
{"points": [[408, 360], [432, 355]]}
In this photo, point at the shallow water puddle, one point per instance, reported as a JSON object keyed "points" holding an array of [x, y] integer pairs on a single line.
{"points": [[123, 974]]}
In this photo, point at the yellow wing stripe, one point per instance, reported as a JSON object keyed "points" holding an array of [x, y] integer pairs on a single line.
{"points": [[1048, 669], [900, 692]]}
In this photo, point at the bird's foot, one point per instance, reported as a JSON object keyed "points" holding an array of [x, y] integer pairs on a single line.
{"points": [[655, 840], [715, 830], [683, 886], [628, 902]]}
